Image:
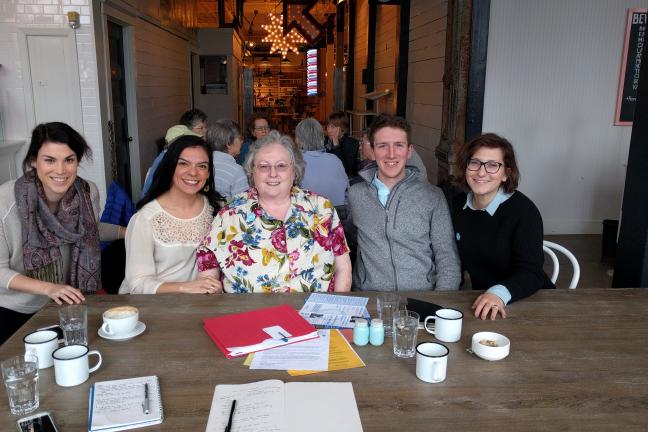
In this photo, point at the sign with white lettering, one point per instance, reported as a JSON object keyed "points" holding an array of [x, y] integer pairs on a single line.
{"points": [[635, 38]]}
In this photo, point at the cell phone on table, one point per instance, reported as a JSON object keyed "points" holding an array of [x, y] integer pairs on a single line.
{"points": [[39, 422], [57, 328]]}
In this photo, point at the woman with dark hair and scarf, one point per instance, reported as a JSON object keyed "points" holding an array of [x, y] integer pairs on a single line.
{"points": [[172, 219], [49, 242]]}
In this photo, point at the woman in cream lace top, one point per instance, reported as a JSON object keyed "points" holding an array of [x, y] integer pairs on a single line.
{"points": [[174, 216]]}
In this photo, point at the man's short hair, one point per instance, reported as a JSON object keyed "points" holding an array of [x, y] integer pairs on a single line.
{"points": [[388, 120]]}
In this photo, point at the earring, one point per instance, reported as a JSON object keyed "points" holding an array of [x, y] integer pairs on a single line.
{"points": [[206, 188]]}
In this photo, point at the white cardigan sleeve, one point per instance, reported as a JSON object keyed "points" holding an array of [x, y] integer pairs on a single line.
{"points": [[141, 272]]}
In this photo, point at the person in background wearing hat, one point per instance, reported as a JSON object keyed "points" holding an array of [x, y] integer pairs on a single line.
{"points": [[172, 134], [196, 121]]}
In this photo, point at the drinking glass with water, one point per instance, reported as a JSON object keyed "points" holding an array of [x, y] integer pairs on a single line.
{"points": [[20, 375], [404, 332], [386, 304], [74, 322]]}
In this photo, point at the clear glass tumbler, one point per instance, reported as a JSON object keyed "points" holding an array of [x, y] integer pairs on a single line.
{"points": [[20, 375], [74, 322], [404, 332], [386, 304]]}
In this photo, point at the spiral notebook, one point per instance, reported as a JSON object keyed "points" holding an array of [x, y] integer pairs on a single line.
{"points": [[119, 404]]}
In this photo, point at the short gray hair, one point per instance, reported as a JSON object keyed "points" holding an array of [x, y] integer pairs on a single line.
{"points": [[309, 135], [275, 137], [222, 134]]}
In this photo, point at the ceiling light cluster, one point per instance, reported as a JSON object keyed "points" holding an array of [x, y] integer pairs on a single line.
{"points": [[280, 42]]}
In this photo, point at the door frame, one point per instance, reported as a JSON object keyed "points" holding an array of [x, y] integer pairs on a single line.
{"points": [[72, 75], [127, 21]]}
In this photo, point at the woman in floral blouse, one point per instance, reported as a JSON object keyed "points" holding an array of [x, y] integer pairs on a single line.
{"points": [[276, 237]]}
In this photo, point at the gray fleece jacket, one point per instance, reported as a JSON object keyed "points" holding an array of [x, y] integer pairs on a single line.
{"points": [[407, 245]]}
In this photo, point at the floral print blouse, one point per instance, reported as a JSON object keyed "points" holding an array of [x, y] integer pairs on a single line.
{"points": [[258, 253]]}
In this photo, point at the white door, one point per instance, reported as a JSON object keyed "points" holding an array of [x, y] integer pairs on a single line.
{"points": [[51, 77]]}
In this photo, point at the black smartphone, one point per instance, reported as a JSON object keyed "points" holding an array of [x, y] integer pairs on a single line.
{"points": [[39, 422], [56, 328], [423, 308]]}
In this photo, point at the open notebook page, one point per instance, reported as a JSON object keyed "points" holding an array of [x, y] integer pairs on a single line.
{"points": [[259, 407]]}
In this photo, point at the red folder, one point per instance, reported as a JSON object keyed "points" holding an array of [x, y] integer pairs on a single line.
{"points": [[245, 330]]}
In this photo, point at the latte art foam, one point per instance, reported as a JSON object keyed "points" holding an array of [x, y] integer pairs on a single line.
{"points": [[120, 312]]}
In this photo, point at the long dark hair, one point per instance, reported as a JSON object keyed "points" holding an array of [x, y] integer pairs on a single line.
{"points": [[55, 132], [163, 176]]}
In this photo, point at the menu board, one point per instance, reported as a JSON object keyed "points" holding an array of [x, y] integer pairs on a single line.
{"points": [[635, 38]]}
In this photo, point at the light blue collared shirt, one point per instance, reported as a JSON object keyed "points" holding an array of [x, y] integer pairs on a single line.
{"points": [[499, 290], [383, 190]]}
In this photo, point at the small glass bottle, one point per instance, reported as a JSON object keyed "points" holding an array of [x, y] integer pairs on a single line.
{"points": [[361, 332], [377, 332]]}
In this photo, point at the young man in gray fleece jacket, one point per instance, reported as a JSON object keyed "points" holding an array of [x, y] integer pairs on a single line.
{"points": [[405, 236]]}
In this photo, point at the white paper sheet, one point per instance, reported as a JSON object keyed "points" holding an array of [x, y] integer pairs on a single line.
{"points": [[321, 407], [308, 355]]}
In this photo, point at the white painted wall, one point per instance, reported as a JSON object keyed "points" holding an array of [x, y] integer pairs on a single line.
{"points": [[49, 14], [551, 85]]}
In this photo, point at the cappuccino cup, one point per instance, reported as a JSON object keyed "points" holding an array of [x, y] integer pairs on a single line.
{"points": [[120, 321], [447, 325], [42, 344], [71, 364]]}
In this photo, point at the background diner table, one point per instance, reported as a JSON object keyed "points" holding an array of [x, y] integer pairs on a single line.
{"points": [[578, 361]]}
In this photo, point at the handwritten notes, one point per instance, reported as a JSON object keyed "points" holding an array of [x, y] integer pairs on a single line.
{"points": [[117, 405], [272, 406]]}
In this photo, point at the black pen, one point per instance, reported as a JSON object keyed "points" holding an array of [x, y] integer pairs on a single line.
{"points": [[229, 422], [145, 405]]}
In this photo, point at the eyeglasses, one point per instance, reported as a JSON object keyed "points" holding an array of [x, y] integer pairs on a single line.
{"points": [[261, 128], [491, 167], [280, 167]]}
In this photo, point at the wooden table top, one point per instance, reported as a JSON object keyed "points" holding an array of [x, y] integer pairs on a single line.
{"points": [[579, 361]]}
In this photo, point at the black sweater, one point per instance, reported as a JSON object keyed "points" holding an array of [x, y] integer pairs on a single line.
{"points": [[505, 248], [347, 151]]}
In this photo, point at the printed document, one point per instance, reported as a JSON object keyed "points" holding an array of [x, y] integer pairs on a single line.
{"points": [[308, 355], [333, 311]]}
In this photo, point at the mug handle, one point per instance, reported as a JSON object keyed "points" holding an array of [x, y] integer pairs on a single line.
{"points": [[106, 329], [31, 352], [432, 317], [436, 371], [95, 367]]}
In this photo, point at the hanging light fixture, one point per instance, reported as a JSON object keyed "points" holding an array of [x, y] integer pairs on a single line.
{"points": [[265, 61], [280, 42]]}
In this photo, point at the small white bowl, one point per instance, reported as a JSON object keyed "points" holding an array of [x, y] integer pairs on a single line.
{"points": [[491, 353]]}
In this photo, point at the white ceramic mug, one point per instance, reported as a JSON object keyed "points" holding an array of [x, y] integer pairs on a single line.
{"points": [[42, 344], [447, 325], [431, 362], [71, 365], [120, 321]]}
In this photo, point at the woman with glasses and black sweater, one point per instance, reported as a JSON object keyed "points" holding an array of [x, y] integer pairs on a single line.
{"points": [[498, 229]]}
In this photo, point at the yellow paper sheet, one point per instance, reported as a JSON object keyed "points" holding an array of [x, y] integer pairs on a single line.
{"points": [[248, 360], [341, 356]]}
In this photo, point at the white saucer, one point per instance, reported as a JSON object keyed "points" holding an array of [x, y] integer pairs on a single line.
{"points": [[138, 330]]}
